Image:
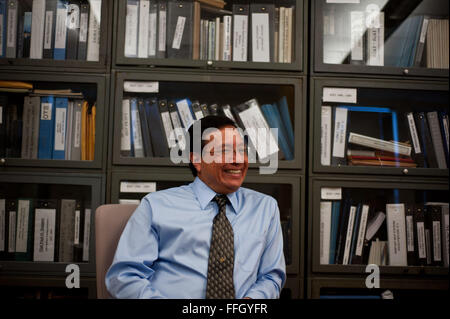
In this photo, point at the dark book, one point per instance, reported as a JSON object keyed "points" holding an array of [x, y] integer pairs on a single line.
{"points": [[180, 18], [420, 241], [73, 29], [425, 140], [411, 235], [145, 127], [154, 109], [434, 221], [49, 28], [83, 34]]}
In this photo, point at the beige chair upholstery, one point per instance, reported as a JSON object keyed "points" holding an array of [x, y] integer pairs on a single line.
{"points": [[110, 220]]}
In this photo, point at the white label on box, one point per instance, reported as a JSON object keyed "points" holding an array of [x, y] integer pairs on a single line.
{"points": [[46, 111], [339, 95], [260, 37], [137, 187], [141, 87], [48, 30], [331, 193], [60, 129]]}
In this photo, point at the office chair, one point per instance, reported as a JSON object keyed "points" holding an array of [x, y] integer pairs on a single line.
{"points": [[110, 220]]}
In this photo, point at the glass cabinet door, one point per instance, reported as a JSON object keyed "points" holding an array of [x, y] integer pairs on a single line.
{"points": [[155, 112], [389, 224], [382, 128], [54, 33], [402, 37], [51, 120], [261, 34]]}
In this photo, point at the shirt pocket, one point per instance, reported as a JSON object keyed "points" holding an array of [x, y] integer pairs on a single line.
{"points": [[249, 250]]}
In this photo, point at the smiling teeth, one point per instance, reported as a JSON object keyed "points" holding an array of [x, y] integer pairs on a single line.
{"points": [[234, 171]]}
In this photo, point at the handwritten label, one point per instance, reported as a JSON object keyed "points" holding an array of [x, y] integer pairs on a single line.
{"points": [[331, 193], [340, 95], [137, 187], [141, 87]]}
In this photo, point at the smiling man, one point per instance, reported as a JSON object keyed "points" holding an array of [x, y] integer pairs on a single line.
{"points": [[209, 239]]}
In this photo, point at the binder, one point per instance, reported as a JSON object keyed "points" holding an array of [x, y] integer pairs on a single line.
{"points": [[180, 17], [66, 230], [358, 254], [59, 52], [3, 227], [37, 29], [325, 231], [161, 119], [49, 29], [184, 108], [73, 29], [3, 133], [83, 34], [26, 34], [84, 128], [340, 117], [436, 139], [143, 28], [417, 155], [59, 145], [153, 29], [419, 229], [395, 214], [77, 249], [178, 130], [286, 118], [45, 236], [443, 123], [240, 31], [24, 229], [205, 109], [125, 139], [136, 131], [30, 127], [434, 220], [69, 130], [410, 235], [132, 28], [162, 29], [10, 230], [75, 144], [348, 235], [262, 23], [11, 37], [354, 240], [342, 230], [335, 216], [271, 118], [94, 35], [228, 112], [93, 114], [282, 127], [86, 232], [3, 27], [213, 109], [425, 140], [46, 127], [148, 150], [197, 110]]}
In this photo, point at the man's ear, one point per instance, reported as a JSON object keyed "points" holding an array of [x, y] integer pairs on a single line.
{"points": [[196, 160]]}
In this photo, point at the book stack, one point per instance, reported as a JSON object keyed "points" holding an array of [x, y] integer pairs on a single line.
{"points": [[206, 30], [151, 126], [345, 138], [46, 124], [51, 29], [52, 230], [401, 234]]}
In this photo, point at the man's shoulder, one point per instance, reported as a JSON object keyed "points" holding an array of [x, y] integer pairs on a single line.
{"points": [[183, 191], [251, 194]]}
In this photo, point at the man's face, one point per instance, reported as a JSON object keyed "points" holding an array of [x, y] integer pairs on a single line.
{"points": [[224, 162]]}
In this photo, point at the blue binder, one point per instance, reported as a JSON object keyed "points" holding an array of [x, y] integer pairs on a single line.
{"points": [[133, 110], [286, 118], [59, 147], [335, 215], [3, 11], [46, 127]]}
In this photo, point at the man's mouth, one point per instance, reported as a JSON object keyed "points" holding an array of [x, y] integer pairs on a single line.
{"points": [[234, 171]]}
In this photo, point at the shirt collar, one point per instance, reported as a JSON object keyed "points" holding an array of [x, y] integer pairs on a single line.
{"points": [[205, 194]]}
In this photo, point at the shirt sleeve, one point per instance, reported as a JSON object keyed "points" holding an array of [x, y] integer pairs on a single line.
{"points": [[131, 271], [272, 267]]}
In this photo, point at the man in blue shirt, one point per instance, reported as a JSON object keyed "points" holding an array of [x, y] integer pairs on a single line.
{"points": [[165, 247]]}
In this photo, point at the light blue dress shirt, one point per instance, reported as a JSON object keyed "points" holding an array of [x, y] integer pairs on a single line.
{"points": [[164, 248]]}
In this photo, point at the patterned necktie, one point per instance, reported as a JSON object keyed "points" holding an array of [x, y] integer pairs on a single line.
{"points": [[221, 255]]}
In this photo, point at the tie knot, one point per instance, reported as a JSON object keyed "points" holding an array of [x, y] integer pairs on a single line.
{"points": [[221, 200]]}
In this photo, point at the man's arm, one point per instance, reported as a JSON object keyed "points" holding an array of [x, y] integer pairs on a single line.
{"points": [[130, 273], [272, 267]]}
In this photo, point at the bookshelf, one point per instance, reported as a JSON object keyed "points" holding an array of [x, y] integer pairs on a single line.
{"points": [[302, 75], [364, 88]]}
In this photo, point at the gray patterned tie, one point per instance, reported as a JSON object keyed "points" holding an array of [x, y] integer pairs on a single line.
{"points": [[221, 255]]}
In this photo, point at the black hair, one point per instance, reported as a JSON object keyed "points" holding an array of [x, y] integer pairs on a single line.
{"points": [[210, 121]]}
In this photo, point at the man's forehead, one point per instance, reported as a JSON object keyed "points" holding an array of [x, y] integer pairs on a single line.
{"points": [[226, 135]]}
